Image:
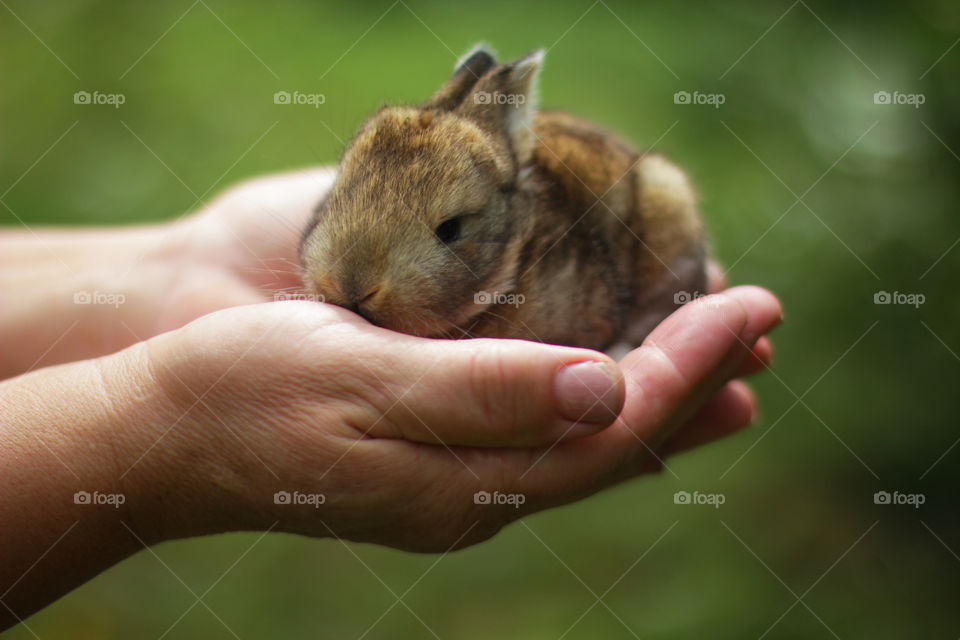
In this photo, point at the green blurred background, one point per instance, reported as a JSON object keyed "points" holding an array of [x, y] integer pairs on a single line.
{"points": [[859, 401]]}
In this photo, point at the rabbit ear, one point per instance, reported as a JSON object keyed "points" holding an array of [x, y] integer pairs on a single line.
{"points": [[468, 71], [503, 102]]}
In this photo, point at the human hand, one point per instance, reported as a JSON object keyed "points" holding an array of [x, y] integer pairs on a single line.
{"points": [[398, 433], [198, 428], [241, 248], [141, 281]]}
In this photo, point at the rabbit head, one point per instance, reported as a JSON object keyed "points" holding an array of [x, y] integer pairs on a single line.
{"points": [[427, 209]]}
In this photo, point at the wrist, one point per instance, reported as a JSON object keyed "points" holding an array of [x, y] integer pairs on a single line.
{"points": [[77, 294], [177, 458], [161, 458]]}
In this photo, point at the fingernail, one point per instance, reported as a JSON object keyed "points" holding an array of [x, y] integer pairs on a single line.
{"points": [[588, 392]]}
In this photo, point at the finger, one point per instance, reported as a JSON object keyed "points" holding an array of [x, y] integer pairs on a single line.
{"points": [[493, 393], [689, 347], [763, 313], [703, 352], [671, 363], [475, 476], [681, 365], [762, 356], [759, 359], [730, 410]]}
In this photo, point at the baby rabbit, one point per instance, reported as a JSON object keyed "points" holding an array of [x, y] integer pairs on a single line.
{"points": [[476, 215]]}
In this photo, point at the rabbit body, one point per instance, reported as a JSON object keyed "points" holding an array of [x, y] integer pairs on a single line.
{"points": [[475, 215]]}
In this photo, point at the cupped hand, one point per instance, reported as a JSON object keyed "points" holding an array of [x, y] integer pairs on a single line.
{"points": [[305, 418], [241, 248]]}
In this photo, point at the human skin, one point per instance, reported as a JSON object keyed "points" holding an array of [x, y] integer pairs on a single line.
{"points": [[197, 400]]}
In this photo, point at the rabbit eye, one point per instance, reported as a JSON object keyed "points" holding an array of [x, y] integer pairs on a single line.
{"points": [[448, 231]]}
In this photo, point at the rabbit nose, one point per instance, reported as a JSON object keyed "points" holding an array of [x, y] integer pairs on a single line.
{"points": [[355, 300]]}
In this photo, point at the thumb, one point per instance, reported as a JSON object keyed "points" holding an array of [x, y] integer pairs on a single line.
{"points": [[492, 392]]}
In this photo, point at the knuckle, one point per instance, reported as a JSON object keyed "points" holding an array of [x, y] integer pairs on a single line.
{"points": [[491, 387]]}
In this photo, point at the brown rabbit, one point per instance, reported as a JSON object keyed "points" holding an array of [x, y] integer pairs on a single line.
{"points": [[475, 215]]}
